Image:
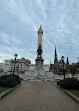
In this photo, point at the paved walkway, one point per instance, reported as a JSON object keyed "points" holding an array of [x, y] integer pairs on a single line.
{"points": [[38, 96]]}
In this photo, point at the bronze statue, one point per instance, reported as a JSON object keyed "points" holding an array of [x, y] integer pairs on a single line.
{"points": [[39, 51]]}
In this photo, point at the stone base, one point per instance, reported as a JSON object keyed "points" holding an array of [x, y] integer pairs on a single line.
{"points": [[39, 64], [39, 74]]}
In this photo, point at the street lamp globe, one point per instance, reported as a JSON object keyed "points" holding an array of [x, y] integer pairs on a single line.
{"points": [[15, 55], [62, 58]]}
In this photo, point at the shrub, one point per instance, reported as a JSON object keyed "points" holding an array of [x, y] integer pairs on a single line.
{"points": [[9, 80], [17, 78], [69, 83]]}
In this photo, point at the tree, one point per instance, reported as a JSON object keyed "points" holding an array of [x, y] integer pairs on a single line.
{"points": [[73, 69], [78, 67]]}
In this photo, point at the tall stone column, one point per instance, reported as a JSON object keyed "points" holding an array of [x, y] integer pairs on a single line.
{"points": [[39, 60], [39, 72], [40, 34]]}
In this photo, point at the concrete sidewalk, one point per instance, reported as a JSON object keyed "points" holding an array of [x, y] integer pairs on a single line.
{"points": [[38, 96]]}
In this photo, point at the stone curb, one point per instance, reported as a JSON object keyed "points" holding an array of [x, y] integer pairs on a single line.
{"points": [[5, 93], [74, 97], [2, 95]]}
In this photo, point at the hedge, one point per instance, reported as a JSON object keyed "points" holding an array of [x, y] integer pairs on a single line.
{"points": [[70, 83], [9, 80]]}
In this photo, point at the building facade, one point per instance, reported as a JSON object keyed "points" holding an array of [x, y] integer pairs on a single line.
{"points": [[59, 67], [18, 66]]}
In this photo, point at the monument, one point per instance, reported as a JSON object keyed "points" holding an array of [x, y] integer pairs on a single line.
{"points": [[39, 60], [39, 69]]}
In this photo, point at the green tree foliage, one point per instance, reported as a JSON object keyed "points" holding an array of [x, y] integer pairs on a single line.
{"points": [[73, 69], [78, 67]]}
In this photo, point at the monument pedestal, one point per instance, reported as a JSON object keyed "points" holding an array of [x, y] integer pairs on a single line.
{"points": [[39, 73], [39, 63]]}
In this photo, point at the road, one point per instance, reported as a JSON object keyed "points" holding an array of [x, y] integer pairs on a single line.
{"points": [[38, 96]]}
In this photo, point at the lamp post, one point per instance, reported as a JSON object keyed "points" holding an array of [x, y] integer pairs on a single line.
{"points": [[15, 56], [63, 66]]}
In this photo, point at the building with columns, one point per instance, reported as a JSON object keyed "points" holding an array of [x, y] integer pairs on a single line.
{"points": [[21, 65]]}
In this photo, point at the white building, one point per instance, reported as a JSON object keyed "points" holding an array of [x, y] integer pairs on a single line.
{"points": [[7, 66], [1, 67], [19, 66]]}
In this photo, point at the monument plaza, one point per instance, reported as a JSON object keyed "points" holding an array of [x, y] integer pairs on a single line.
{"points": [[38, 90], [38, 96]]}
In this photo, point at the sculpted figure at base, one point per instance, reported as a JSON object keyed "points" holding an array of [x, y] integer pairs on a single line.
{"points": [[39, 51]]}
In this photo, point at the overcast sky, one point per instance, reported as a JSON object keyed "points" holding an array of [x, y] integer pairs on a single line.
{"points": [[20, 20]]}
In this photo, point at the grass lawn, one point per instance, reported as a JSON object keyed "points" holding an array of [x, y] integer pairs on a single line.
{"points": [[2, 89], [75, 92]]}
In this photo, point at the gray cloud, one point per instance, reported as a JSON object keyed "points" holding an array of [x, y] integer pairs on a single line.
{"points": [[20, 20]]}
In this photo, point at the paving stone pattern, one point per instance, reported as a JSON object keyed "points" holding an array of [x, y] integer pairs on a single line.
{"points": [[38, 96]]}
